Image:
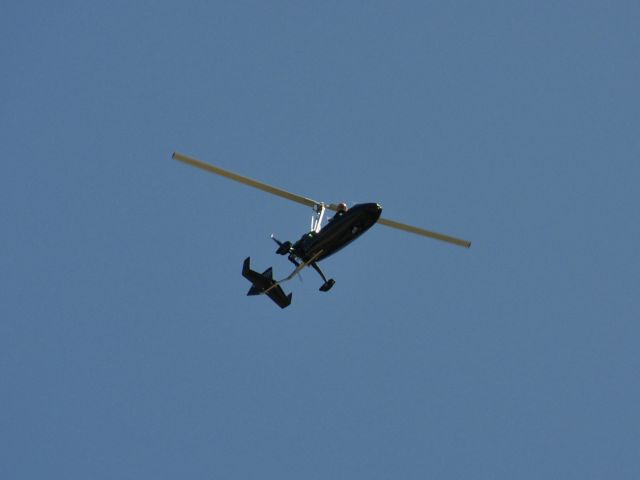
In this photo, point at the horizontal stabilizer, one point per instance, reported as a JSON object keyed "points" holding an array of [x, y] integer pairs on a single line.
{"points": [[263, 283], [253, 291]]}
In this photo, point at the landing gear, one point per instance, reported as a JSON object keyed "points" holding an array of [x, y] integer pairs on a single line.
{"points": [[285, 248], [326, 286]]}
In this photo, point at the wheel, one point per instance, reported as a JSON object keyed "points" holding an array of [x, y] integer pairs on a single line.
{"points": [[327, 285]]}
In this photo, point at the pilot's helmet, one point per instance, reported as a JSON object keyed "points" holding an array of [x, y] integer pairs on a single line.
{"points": [[342, 207]]}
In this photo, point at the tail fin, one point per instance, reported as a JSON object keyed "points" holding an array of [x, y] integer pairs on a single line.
{"points": [[263, 283], [253, 291], [246, 267]]}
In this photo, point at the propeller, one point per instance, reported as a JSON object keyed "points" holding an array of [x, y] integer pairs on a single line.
{"points": [[310, 202]]}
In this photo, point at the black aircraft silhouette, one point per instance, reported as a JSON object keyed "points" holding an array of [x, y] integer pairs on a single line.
{"points": [[320, 242]]}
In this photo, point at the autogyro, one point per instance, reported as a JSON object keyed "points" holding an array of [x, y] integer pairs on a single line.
{"points": [[320, 241]]}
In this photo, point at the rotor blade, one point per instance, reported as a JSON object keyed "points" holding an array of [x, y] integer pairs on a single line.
{"points": [[247, 181], [423, 232]]}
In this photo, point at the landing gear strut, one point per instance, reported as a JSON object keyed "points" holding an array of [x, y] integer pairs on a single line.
{"points": [[326, 286]]}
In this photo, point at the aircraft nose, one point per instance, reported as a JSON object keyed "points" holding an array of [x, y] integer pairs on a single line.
{"points": [[375, 209]]}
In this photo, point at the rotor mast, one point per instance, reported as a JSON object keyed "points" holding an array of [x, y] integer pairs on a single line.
{"points": [[318, 215]]}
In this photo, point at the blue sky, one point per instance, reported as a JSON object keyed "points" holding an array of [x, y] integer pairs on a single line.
{"points": [[128, 348]]}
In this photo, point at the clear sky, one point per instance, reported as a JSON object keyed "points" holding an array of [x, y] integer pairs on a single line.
{"points": [[128, 349]]}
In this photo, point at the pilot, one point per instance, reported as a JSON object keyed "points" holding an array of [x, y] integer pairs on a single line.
{"points": [[341, 209]]}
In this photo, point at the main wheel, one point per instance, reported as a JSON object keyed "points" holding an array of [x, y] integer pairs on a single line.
{"points": [[326, 286]]}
